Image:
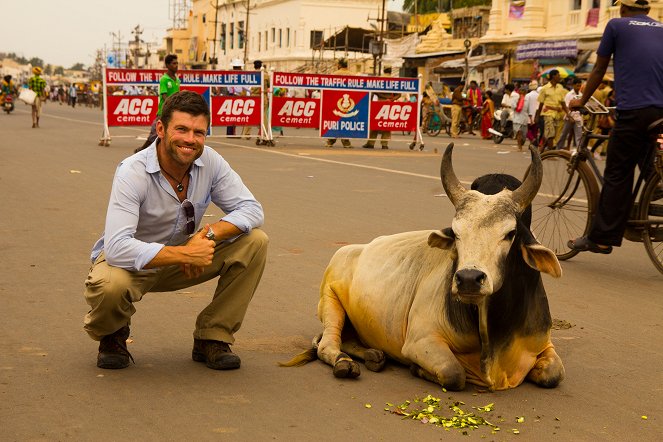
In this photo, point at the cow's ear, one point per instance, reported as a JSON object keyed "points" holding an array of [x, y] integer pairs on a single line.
{"points": [[442, 239], [541, 258]]}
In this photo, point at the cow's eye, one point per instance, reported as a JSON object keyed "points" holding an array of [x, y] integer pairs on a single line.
{"points": [[509, 236], [450, 233]]}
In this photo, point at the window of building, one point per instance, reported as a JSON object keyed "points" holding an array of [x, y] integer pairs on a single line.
{"points": [[280, 38], [222, 37], [576, 4], [266, 45], [231, 36], [596, 4], [259, 43], [316, 39], [287, 37], [240, 32], [273, 35]]}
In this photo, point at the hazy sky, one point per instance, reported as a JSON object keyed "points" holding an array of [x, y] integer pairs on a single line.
{"points": [[65, 32]]}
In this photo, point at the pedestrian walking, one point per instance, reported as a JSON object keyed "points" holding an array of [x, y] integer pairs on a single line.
{"points": [[38, 86], [573, 119]]}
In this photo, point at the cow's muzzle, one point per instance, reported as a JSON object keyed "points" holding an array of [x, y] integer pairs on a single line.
{"points": [[470, 283]]}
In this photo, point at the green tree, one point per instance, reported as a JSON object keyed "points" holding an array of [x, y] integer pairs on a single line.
{"points": [[36, 61], [425, 6], [78, 67], [59, 70], [48, 69]]}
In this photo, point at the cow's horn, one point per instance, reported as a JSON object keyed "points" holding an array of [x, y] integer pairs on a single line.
{"points": [[524, 194], [452, 186]]}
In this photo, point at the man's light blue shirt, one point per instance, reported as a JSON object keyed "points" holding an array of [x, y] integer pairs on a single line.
{"points": [[144, 213]]}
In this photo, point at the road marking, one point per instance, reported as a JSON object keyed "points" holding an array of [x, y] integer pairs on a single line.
{"points": [[325, 160], [297, 155]]}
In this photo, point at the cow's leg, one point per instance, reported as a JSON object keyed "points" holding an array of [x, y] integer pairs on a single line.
{"points": [[332, 315], [433, 360], [548, 371], [373, 359]]}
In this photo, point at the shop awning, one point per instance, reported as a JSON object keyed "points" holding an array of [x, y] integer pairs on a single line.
{"points": [[350, 39]]}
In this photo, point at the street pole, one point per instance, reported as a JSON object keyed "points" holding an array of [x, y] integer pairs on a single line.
{"points": [[246, 34], [216, 22], [381, 39]]}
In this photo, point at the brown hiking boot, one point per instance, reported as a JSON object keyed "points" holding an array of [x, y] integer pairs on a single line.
{"points": [[216, 354], [113, 352]]}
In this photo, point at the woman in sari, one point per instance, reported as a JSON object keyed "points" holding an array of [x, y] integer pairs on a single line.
{"points": [[487, 112]]}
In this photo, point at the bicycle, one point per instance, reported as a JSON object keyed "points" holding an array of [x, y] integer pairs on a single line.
{"points": [[432, 124], [569, 196]]}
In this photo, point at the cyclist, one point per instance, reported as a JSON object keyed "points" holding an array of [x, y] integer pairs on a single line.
{"points": [[634, 40]]}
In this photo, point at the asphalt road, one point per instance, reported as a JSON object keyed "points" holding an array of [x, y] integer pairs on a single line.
{"points": [[55, 183]]}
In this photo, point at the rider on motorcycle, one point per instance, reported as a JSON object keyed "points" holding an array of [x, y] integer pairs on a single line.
{"points": [[7, 88], [509, 102]]}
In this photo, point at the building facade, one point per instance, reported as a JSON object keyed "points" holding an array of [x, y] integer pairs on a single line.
{"points": [[284, 34], [576, 26]]}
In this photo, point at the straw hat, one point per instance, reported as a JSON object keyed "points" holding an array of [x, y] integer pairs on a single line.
{"points": [[36, 70]]}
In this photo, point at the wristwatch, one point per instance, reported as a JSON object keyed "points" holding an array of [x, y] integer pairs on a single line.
{"points": [[210, 235]]}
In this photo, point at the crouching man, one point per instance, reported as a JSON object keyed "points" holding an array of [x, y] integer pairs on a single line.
{"points": [[151, 241]]}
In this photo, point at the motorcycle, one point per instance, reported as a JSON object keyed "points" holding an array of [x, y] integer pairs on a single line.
{"points": [[8, 104], [498, 132]]}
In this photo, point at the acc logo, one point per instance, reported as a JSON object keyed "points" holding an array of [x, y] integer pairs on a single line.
{"points": [[133, 106], [237, 107], [394, 112], [298, 109], [344, 107]]}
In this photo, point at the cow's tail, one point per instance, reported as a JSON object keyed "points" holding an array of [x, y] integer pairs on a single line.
{"points": [[304, 357]]}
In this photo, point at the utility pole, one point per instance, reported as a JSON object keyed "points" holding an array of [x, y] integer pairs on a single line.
{"points": [[137, 33], [117, 48], [381, 38], [216, 21], [246, 34]]}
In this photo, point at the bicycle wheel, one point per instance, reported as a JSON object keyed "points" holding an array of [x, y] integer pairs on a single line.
{"points": [[651, 210], [563, 208], [434, 125]]}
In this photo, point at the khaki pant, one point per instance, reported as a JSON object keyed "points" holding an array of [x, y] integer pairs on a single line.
{"points": [[385, 136], [456, 115], [112, 291]]}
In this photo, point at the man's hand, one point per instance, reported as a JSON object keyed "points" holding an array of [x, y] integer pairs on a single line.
{"points": [[576, 103], [201, 250]]}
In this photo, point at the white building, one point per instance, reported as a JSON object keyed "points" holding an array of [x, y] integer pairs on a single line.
{"points": [[283, 33]]}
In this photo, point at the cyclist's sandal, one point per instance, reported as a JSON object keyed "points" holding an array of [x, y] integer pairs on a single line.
{"points": [[584, 244]]}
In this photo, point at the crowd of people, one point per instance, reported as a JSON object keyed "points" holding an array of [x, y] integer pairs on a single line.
{"points": [[538, 110]]}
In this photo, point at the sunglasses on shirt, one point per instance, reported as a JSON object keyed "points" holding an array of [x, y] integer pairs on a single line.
{"points": [[190, 216]]}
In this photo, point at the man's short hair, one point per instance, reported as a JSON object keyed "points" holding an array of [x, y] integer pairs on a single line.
{"points": [[509, 87], [257, 64], [387, 70], [553, 73], [473, 82], [342, 63], [170, 58], [634, 4], [577, 80], [184, 101]]}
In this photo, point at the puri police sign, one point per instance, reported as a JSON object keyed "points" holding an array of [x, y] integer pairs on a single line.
{"points": [[344, 114]]}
